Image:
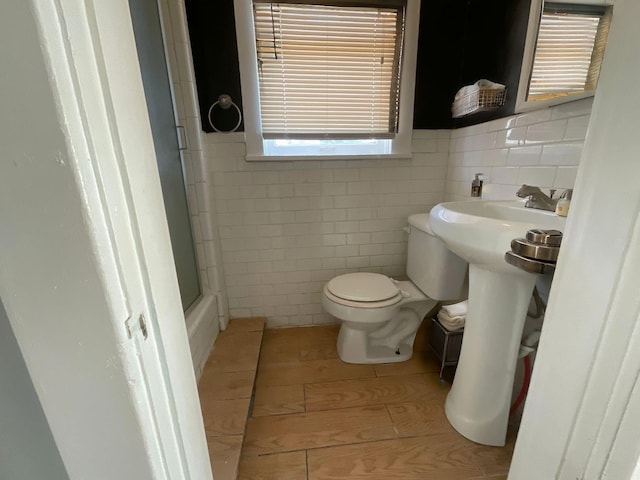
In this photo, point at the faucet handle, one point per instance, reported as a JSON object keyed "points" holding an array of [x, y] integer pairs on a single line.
{"points": [[568, 193], [552, 192]]}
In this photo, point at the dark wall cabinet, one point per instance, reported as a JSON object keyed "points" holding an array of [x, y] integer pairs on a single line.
{"points": [[461, 41]]}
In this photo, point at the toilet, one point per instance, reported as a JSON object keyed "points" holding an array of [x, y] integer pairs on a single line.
{"points": [[380, 316]]}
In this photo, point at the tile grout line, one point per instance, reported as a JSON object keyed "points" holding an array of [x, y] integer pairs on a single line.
{"points": [[349, 444], [395, 428], [255, 381], [304, 397], [335, 409], [250, 407], [306, 461], [348, 379], [315, 383]]}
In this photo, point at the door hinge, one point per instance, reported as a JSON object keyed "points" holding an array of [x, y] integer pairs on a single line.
{"points": [[134, 326]]}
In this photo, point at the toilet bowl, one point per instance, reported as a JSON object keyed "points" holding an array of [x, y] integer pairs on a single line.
{"points": [[380, 316]]}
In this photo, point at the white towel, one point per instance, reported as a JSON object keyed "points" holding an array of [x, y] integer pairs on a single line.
{"points": [[443, 314], [489, 85], [451, 323], [456, 309], [451, 326], [467, 90]]}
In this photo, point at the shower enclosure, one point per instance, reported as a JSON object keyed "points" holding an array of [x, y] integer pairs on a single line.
{"points": [[157, 89]]}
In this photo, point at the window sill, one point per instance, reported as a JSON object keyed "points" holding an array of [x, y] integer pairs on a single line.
{"points": [[295, 158], [528, 106]]}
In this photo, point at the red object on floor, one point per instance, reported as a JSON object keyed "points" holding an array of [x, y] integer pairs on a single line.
{"points": [[525, 385]]}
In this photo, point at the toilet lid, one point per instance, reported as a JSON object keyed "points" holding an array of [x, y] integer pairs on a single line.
{"points": [[363, 287]]}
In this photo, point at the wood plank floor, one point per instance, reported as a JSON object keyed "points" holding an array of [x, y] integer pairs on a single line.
{"points": [[314, 417], [225, 391]]}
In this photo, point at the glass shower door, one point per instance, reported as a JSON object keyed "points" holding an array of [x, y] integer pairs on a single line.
{"points": [[155, 77]]}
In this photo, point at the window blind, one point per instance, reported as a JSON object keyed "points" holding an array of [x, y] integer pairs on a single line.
{"points": [[569, 51], [329, 71]]}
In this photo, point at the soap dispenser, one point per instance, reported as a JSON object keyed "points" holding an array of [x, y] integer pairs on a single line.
{"points": [[476, 186], [564, 202]]}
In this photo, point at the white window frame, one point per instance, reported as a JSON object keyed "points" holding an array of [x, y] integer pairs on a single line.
{"points": [[398, 147], [522, 104]]}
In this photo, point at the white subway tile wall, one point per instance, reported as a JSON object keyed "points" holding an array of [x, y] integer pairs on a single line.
{"points": [[288, 227], [539, 148]]}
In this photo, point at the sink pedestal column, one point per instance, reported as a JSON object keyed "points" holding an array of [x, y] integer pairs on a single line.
{"points": [[479, 401]]}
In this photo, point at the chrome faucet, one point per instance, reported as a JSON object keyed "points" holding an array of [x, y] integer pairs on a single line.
{"points": [[536, 198]]}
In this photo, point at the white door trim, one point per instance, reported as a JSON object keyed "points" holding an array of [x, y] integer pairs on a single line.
{"points": [[114, 48], [584, 390], [89, 49]]}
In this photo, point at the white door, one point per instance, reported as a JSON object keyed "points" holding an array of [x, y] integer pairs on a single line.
{"points": [[86, 272], [582, 412]]}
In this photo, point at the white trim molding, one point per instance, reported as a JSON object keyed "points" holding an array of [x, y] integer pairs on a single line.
{"points": [[522, 104], [580, 419], [112, 263]]}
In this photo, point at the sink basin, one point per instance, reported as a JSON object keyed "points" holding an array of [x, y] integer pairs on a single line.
{"points": [[481, 231], [499, 294]]}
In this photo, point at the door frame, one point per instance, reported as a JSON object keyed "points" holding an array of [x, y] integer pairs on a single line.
{"points": [[89, 50], [580, 419]]}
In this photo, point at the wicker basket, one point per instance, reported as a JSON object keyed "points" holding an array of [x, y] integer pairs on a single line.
{"points": [[478, 101]]}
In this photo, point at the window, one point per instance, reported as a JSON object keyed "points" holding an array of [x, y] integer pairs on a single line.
{"points": [[331, 78], [566, 51]]}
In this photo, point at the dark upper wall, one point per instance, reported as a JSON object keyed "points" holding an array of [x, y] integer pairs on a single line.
{"points": [[215, 57], [494, 38], [460, 42], [440, 47]]}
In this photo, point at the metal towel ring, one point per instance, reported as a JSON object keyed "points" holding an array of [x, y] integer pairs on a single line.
{"points": [[225, 103]]}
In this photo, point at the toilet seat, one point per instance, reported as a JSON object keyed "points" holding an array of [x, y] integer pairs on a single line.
{"points": [[363, 290]]}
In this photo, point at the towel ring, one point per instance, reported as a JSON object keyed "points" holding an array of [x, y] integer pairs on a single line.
{"points": [[225, 103]]}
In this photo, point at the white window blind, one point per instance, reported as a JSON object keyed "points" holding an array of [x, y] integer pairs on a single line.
{"points": [[569, 50], [329, 71]]}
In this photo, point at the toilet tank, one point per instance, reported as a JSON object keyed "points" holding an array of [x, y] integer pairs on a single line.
{"points": [[436, 271]]}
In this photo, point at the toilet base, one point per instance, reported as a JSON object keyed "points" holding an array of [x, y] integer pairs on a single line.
{"points": [[359, 350], [373, 335]]}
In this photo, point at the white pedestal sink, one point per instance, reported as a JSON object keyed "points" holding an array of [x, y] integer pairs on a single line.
{"points": [[481, 232]]}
